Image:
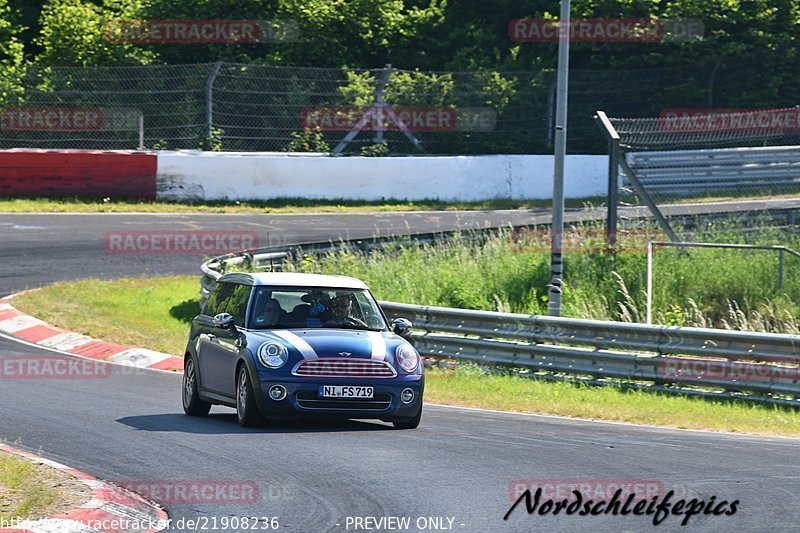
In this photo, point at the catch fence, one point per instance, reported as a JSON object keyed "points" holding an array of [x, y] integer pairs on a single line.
{"points": [[256, 107]]}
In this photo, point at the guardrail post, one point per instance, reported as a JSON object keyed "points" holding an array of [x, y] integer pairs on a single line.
{"points": [[613, 175], [613, 192], [649, 282]]}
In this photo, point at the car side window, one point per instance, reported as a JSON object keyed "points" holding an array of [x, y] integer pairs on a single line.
{"points": [[219, 299], [237, 304]]}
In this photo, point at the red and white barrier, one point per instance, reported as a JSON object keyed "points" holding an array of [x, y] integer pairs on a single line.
{"points": [[81, 173], [195, 175]]}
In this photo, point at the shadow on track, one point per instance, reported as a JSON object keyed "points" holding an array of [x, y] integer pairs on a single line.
{"points": [[223, 423]]}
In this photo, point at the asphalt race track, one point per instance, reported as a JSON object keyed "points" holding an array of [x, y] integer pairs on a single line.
{"points": [[40, 249], [128, 425]]}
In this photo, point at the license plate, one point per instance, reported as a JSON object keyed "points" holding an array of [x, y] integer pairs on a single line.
{"points": [[345, 391]]}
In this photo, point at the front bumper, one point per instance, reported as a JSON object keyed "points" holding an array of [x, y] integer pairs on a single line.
{"points": [[303, 398]]}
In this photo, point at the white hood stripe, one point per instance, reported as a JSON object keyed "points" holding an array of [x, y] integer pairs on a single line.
{"points": [[378, 345], [301, 345]]}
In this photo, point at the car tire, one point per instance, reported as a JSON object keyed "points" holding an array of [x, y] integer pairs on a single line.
{"points": [[192, 404], [408, 423], [246, 407]]}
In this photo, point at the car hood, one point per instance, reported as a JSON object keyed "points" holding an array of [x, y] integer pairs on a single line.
{"points": [[310, 343]]}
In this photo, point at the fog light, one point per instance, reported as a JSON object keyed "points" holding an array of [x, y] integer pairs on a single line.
{"points": [[277, 392], [407, 396]]}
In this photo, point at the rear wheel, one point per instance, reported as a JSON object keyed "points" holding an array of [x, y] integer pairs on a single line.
{"points": [[409, 423], [246, 408], [192, 404]]}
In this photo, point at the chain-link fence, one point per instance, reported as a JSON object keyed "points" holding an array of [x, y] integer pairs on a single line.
{"points": [[689, 154], [253, 107], [241, 107]]}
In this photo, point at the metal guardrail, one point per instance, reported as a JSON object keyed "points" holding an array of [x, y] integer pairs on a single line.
{"points": [[683, 171], [707, 362], [733, 361]]}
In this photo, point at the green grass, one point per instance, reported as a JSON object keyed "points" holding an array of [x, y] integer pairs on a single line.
{"points": [[705, 287], [331, 205], [305, 205], [150, 312], [154, 313], [24, 493], [469, 386], [282, 205]]}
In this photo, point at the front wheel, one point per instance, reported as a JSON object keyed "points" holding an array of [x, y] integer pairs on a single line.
{"points": [[246, 408], [409, 423], [192, 404]]}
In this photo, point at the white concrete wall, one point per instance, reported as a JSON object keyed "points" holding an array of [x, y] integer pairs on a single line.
{"points": [[249, 176]]}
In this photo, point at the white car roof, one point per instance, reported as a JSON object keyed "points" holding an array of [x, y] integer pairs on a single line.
{"points": [[291, 279]]}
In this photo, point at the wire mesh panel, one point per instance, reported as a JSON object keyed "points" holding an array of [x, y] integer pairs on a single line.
{"points": [[271, 108], [260, 107], [689, 153], [254, 107], [108, 108]]}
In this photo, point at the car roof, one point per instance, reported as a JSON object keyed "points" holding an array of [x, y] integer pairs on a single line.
{"points": [[291, 279]]}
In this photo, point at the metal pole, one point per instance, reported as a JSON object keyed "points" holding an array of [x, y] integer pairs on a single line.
{"points": [[613, 192], [209, 103], [647, 199], [551, 104], [387, 72], [556, 265], [614, 153], [649, 282], [141, 131], [780, 269]]}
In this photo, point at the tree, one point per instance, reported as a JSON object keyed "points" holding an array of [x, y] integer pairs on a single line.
{"points": [[74, 32], [12, 67]]}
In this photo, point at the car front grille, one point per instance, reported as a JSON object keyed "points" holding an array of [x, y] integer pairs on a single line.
{"points": [[339, 367], [310, 400]]}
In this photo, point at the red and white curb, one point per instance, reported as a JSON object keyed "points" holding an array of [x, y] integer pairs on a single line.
{"points": [[110, 508], [31, 329]]}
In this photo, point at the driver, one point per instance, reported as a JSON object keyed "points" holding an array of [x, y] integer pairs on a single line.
{"points": [[341, 312]]}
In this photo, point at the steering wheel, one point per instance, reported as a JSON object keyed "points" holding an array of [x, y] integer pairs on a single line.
{"points": [[353, 321]]}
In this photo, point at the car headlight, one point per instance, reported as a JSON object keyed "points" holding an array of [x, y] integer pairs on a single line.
{"points": [[273, 355], [408, 357]]}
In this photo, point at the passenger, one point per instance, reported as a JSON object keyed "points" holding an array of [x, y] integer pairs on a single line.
{"points": [[273, 314]]}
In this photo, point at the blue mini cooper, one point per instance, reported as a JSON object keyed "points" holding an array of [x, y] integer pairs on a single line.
{"points": [[278, 345]]}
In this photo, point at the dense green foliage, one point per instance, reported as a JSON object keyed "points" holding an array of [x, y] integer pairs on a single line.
{"points": [[430, 35], [749, 57]]}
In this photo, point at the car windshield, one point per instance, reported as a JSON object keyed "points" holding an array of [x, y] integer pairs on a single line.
{"points": [[315, 307]]}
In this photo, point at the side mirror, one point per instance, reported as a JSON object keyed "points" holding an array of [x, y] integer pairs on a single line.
{"points": [[401, 326], [223, 321]]}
